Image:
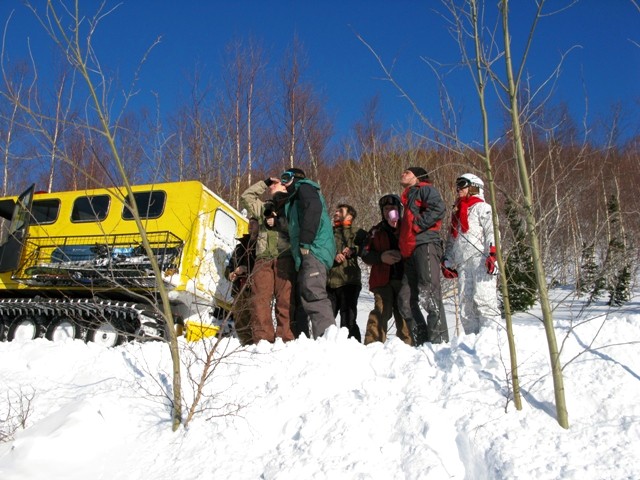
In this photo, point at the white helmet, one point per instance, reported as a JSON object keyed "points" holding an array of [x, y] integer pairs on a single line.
{"points": [[470, 180]]}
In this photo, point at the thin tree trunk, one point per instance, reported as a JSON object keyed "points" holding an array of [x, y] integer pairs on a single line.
{"points": [[530, 220], [77, 59], [7, 150], [481, 85], [236, 193], [249, 135]]}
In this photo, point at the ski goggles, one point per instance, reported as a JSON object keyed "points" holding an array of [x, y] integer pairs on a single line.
{"points": [[287, 176], [462, 183]]}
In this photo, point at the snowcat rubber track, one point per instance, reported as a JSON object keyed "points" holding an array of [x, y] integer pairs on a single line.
{"points": [[135, 322]]}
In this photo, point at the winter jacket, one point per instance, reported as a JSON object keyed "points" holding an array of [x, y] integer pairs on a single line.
{"points": [[243, 255], [272, 242], [466, 251], [309, 223], [347, 272], [476, 241], [422, 218], [381, 238]]}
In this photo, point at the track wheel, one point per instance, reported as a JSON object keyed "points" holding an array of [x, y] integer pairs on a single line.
{"points": [[106, 334], [4, 326], [63, 328], [23, 329]]}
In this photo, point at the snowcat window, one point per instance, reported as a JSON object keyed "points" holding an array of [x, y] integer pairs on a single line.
{"points": [[150, 205], [225, 227], [90, 209], [45, 211]]}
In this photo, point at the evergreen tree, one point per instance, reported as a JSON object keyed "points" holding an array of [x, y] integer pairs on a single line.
{"points": [[588, 269], [521, 281], [598, 287], [617, 270], [620, 293], [591, 276]]}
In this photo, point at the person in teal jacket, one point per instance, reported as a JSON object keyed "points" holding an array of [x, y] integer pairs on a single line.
{"points": [[312, 246]]}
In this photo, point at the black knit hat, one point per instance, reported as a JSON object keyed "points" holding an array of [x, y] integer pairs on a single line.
{"points": [[420, 173], [390, 199]]}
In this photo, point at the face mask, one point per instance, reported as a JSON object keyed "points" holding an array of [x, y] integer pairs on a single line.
{"points": [[392, 215]]}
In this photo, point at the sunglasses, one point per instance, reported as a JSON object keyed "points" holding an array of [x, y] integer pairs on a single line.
{"points": [[462, 183]]}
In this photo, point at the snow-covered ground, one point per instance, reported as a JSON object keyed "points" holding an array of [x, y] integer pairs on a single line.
{"points": [[333, 408]]}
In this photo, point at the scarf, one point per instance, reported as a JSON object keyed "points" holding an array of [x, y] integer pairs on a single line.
{"points": [[460, 216], [343, 223]]}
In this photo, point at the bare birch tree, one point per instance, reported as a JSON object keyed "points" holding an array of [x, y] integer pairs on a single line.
{"points": [[479, 64], [243, 84], [512, 86], [82, 58], [8, 135], [301, 124]]}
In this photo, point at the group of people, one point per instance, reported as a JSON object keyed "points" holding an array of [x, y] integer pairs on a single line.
{"points": [[298, 263]]}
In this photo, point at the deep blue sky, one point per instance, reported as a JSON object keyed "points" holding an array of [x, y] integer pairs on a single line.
{"points": [[606, 67]]}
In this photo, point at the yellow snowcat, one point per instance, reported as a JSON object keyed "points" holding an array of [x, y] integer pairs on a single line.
{"points": [[72, 264]]}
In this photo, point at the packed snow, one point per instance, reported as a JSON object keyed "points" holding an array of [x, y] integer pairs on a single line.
{"points": [[333, 408]]}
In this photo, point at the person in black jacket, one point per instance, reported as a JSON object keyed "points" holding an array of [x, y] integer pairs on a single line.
{"points": [[238, 272], [312, 246]]}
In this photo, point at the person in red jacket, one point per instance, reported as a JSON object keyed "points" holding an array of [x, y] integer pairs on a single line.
{"points": [[381, 251], [421, 250]]}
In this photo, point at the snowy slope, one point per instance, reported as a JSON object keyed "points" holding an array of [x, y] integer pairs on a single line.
{"points": [[333, 408]]}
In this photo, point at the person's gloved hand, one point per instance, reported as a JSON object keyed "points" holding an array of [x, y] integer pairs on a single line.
{"points": [[447, 271], [490, 262], [390, 257]]}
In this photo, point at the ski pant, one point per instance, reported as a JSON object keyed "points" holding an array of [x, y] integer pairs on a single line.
{"points": [[421, 289], [344, 300], [385, 304], [300, 322], [477, 296], [272, 278], [242, 316], [312, 278]]}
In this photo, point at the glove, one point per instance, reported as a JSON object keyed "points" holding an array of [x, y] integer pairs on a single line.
{"points": [[268, 181], [490, 262], [390, 257], [448, 272]]}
